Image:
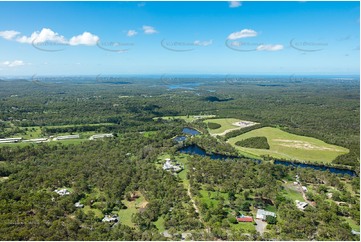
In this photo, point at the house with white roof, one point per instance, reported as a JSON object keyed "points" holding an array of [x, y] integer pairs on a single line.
{"points": [[262, 214], [301, 205], [62, 192]]}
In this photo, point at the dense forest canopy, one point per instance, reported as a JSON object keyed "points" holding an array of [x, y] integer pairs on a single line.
{"points": [[124, 175]]}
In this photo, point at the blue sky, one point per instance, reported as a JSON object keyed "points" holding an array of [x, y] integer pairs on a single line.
{"points": [[276, 38]]}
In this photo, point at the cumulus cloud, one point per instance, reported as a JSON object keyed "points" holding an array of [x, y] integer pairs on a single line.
{"points": [[132, 33], [14, 63], [245, 33], [84, 39], [235, 4], [149, 30], [9, 34], [48, 35], [203, 43], [269, 47], [45, 35]]}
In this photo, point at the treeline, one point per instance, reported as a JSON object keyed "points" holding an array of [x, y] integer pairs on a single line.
{"points": [[81, 128], [254, 142], [238, 132]]}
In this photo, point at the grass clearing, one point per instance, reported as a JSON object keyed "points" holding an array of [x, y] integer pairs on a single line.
{"points": [[353, 224], [96, 211], [125, 215], [149, 134], [212, 198], [227, 125], [292, 194], [247, 227], [284, 145], [160, 224]]}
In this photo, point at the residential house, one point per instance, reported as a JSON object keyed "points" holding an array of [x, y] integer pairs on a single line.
{"points": [[101, 136], [172, 166], [10, 140], [39, 140], [110, 218], [78, 205], [262, 214], [62, 192], [243, 218], [74, 136], [301, 205]]}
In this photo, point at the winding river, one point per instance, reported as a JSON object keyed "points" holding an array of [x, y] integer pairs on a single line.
{"points": [[196, 150]]}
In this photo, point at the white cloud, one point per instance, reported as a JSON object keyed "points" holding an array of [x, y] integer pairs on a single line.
{"points": [[235, 4], [149, 30], [84, 39], [245, 33], [43, 36], [269, 47], [9, 34], [203, 43], [48, 35], [132, 33], [142, 4], [14, 63]]}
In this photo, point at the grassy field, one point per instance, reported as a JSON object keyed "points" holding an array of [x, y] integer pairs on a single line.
{"points": [[284, 145], [247, 227], [35, 132], [293, 194], [189, 118], [212, 198], [149, 134], [226, 125], [64, 142], [96, 211], [125, 215], [353, 224], [160, 224]]}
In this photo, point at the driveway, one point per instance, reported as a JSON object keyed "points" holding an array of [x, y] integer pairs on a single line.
{"points": [[261, 226]]}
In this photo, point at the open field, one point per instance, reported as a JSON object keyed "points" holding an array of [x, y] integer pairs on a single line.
{"points": [[160, 224], [212, 198], [289, 146], [64, 142], [96, 211], [353, 224], [293, 194], [188, 118], [227, 125], [125, 215], [34, 132], [246, 227]]}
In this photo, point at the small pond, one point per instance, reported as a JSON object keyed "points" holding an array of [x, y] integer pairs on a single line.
{"points": [[190, 131]]}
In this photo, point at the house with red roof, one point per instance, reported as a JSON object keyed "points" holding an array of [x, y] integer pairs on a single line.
{"points": [[243, 218]]}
